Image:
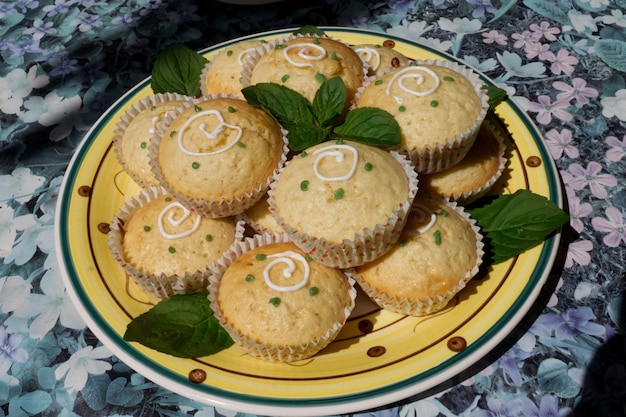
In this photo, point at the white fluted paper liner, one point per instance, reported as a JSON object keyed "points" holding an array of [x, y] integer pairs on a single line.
{"points": [[157, 284], [144, 178], [260, 219], [466, 196], [416, 307], [221, 207], [367, 244], [260, 350], [440, 156]]}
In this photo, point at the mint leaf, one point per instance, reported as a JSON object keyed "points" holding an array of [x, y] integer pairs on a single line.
{"points": [[304, 135], [496, 95], [329, 102], [177, 69], [370, 125], [309, 30], [286, 105], [182, 326], [514, 223]]}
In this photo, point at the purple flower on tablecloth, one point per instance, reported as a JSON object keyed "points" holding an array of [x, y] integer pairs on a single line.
{"points": [[40, 29], [613, 225], [569, 324], [562, 62], [577, 210], [10, 350], [484, 6], [578, 91], [538, 50], [593, 177], [544, 29], [618, 149], [59, 7], [86, 21], [510, 408], [24, 5], [61, 64], [183, 14], [508, 364], [578, 252], [545, 109], [493, 36], [523, 39], [81, 364], [25, 46], [559, 142], [548, 407], [127, 20]]}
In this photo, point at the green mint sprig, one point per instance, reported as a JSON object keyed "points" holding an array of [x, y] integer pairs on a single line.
{"points": [[311, 123], [182, 326], [514, 223], [309, 30], [496, 95], [177, 69]]}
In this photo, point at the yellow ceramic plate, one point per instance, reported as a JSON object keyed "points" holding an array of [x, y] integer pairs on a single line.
{"points": [[379, 356]]}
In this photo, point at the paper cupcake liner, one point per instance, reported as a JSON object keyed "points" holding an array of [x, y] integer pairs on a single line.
{"points": [[147, 180], [159, 285], [366, 245], [269, 352], [222, 207], [414, 307], [269, 226], [468, 196], [438, 157]]}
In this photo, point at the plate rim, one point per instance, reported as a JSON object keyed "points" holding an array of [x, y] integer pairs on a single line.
{"points": [[324, 405]]}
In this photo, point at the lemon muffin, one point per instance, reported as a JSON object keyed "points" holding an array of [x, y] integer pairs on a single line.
{"points": [[439, 251], [380, 57], [276, 302], [260, 219], [343, 203], [134, 131], [476, 173], [217, 156], [222, 74], [164, 247], [439, 106], [302, 63]]}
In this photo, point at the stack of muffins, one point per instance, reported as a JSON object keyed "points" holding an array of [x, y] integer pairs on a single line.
{"points": [[279, 239]]}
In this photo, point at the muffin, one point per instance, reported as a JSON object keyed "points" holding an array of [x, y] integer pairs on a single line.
{"points": [[380, 57], [134, 131], [439, 251], [343, 203], [439, 106], [218, 155], [163, 247], [302, 63], [476, 173], [222, 74], [277, 303], [260, 219]]}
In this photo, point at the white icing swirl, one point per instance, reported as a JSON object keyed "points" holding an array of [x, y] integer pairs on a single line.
{"points": [[305, 54], [213, 135], [242, 54], [176, 222], [367, 54], [287, 258], [337, 152], [155, 120], [412, 72], [421, 213]]}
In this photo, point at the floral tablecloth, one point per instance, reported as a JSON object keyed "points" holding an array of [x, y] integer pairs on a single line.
{"points": [[63, 62]]}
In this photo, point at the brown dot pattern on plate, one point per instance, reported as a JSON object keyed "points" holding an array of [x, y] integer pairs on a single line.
{"points": [[389, 43], [533, 161], [84, 191], [366, 326], [104, 228], [376, 351], [197, 376], [457, 343]]}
